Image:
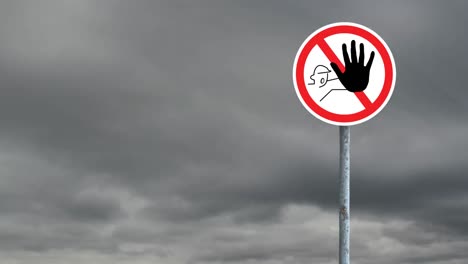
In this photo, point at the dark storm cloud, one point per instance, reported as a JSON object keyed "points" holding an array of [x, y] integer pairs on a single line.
{"points": [[123, 119]]}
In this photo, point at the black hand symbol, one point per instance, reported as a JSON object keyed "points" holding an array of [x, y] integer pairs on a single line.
{"points": [[356, 76]]}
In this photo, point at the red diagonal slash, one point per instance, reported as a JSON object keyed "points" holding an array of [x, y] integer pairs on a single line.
{"points": [[333, 58]]}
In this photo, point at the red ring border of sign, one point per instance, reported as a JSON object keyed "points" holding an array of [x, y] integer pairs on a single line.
{"points": [[342, 28]]}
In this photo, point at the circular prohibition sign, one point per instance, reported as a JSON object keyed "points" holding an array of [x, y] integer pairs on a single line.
{"points": [[370, 107]]}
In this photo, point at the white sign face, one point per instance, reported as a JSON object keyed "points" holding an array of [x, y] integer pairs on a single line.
{"points": [[344, 74]]}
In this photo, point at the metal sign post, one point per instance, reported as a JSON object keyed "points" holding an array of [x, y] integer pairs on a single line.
{"points": [[364, 88], [344, 194]]}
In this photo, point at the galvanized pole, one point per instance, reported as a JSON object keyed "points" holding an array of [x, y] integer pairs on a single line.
{"points": [[344, 194]]}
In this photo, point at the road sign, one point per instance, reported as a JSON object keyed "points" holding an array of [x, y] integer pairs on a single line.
{"points": [[344, 74]]}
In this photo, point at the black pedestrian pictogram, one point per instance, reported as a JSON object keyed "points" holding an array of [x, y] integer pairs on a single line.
{"points": [[321, 77]]}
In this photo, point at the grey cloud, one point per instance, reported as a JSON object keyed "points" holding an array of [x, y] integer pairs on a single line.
{"points": [[188, 107]]}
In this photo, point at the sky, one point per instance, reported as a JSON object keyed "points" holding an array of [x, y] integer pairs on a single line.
{"points": [[170, 132]]}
